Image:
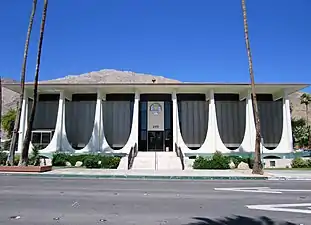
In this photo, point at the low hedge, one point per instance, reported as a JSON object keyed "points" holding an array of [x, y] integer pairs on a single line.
{"points": [[301, 163], [219, 161], [88, 160]]}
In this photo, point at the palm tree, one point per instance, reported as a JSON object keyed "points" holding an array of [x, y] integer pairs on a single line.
{"points": [[306, 100], [13, 144], [257, 168], [24, 159], [0, 111]]}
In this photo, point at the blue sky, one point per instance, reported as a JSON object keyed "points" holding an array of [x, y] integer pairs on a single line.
{"points": [[199, 41]]}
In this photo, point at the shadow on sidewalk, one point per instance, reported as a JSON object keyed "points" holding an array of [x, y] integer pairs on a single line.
{"points": [[237, 220]]}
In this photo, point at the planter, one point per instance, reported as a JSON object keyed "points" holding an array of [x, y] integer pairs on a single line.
{"points": [[33, 169]]}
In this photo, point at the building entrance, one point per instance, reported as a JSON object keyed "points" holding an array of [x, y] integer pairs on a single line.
{"points": [[155, 123], [155, 141]]}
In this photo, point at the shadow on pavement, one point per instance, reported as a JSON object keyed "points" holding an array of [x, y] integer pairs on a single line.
{"points": [[238, 220]]}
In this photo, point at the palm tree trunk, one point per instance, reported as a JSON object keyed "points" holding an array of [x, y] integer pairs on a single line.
{"points": [[24, 159], [308, 126], [13, 144], [257, 168], [0, 111]]}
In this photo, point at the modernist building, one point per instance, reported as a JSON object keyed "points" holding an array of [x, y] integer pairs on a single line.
{"points": [[200, 118]]}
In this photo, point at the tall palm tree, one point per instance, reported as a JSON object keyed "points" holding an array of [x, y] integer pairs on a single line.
{"points": [[24, 159], [305, 99], [257, 168], [0, 111], [13, 144]]}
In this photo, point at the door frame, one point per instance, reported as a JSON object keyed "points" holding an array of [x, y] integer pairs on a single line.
{"points": [[162, 144]]}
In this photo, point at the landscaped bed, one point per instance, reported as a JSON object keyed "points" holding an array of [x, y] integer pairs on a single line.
{"points": [[35, 169], [86, 160]]}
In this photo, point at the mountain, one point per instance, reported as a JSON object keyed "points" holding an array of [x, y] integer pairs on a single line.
{"points": [[112, 76], [10, 98], [298, 110]]}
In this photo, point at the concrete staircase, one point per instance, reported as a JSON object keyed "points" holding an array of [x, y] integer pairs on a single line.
{"points": [[144, 161], [168, 161], [156, 161]]}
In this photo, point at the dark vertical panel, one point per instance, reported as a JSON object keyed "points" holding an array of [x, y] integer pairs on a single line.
{"points": [[193, 122], [79, 121], [46, 115], [231, 119], [142, 135], [117, 118], [271, 120], [46, 111]]}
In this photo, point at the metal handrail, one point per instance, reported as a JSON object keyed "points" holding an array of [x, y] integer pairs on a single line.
{"points": [[176, 150], [180, 155], [131, 156], [130, 159]]}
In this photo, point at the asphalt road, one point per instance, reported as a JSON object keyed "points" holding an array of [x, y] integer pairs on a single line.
{"points": [[45, 201]]}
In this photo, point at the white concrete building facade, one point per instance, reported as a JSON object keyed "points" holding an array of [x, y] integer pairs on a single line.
{"points": [[200, 118]]}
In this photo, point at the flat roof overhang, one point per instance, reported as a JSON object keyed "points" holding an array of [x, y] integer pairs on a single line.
{"points": [[49, 88]]}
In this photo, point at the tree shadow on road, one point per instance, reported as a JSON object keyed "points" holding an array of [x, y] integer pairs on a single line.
{"points": [[238, 220]]}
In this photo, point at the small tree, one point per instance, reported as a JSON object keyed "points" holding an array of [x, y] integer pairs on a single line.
{"points": [[300, 132], [8, 121]]}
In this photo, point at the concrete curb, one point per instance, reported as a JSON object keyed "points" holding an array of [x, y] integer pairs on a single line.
{"points": [[141, 177], [289, 178]]}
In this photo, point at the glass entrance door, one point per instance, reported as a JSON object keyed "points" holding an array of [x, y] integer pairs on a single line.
{"points": [[155, 141]]}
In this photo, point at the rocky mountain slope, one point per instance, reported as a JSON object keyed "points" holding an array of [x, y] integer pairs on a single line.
{"points": [[10, 98]]}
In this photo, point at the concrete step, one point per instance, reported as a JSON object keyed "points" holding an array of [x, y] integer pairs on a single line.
{"points": [[156, 161], [166, 154], [144, 161], [170, 163], [145, 154], [123, 165]]}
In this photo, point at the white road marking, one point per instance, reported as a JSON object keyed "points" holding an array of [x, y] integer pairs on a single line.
{"points": [[283, 208], [261, 190]]}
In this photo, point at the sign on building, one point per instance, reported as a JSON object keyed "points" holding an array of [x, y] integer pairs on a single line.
{"points": [[155, 116]]}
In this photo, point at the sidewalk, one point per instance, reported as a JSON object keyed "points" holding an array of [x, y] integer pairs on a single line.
{"points": [[289, 174], [149, 174], [171, 174]]}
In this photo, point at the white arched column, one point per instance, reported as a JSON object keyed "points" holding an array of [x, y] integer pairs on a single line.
{"points": [[23, 124], [54, 145], [209, 144], [133, 137], [93, 144], [247, 143], [285, 145]]}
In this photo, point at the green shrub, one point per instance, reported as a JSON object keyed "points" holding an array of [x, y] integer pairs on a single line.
{"points": [[88, 160], [110, 162], [75, 158], [92, 161], [218, 161], [200, 163], [60, 159], [16, 159], [300, 163], [3, 157], [34, 158]]}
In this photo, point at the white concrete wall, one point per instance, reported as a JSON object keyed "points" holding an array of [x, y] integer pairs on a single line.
{"points": [[97, 142], [213, 140]]}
